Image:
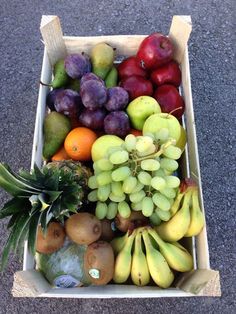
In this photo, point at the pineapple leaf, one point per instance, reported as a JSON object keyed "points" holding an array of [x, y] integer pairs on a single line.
{"points": [[13, 206], [13, 219], [43, 222], [13, 237], [52, 195], [33, 227]]}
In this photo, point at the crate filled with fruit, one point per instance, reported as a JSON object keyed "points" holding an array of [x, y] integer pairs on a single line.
{"points": [[114, 196]]}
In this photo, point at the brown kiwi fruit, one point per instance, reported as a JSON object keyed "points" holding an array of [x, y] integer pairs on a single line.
{"points": [[99, 262], [52, 241], [83, 228], [107, 233], [136, 219]]}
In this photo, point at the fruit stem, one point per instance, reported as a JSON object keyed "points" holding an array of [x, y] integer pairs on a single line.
{"points": [[156, 237], [170, 113], [44, 84], [160, 152]]}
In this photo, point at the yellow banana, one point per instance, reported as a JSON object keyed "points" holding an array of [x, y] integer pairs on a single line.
{"points": [[196, 217], [176, 255], [175, 229], [158, 267], [123, 261], [118, 243], [139, 269]]}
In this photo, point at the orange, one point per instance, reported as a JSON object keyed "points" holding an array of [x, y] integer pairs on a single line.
{"points": [[136, 132], [60, 155], [78, 143]]}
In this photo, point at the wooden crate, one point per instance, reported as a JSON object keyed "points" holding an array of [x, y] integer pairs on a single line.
{"points": [[202, 281]]}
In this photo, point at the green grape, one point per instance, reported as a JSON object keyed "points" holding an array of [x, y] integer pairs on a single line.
{"points": [[116, 188], [101, 210], [163, 214], [161, 201], [103, 192], [137, 197], [169, 164], [129, 184], [124, 209], [143, 143], [130, 142], [159, 173], [147, 206], [172, 152], [168, 192], [136, 206], [144, 177], [147, 152], [104, 178], [96, 169], [162, 134], [112, 209], [172, 181], [138, 187], [155, 219], [92, 196], [121, 173], [158, 183], [113, 149], [92, 182], [150, 165], [116, 199], [119, 157], [104, 164]]}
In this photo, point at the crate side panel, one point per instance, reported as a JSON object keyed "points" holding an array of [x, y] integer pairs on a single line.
{"points": [[201, 239]]}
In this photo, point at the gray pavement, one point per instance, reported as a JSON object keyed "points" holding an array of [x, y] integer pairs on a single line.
{"points": [[212, 58]]}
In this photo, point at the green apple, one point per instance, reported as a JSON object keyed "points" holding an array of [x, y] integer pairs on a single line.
{"points": [[101, 145], [158, 121], [182, 140], [140, 109]]}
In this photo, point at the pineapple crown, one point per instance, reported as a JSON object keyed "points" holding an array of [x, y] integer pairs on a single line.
{"points": [[39, 196]]}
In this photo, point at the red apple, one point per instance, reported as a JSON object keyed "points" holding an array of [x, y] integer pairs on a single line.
{"points": [[167, 74], [154, 51], [130, 67], [170, 100], [137, 86]]}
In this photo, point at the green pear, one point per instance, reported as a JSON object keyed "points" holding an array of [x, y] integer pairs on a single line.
{"points": [[102, 57], [140, 109], [55, 128], [111, 78], [60, 76]]}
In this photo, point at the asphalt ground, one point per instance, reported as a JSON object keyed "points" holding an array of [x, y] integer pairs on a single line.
{"points": [[212, 60]]}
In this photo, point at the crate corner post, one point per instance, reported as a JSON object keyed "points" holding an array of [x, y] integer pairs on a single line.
{"points": [[29, 283], [53, 40]]}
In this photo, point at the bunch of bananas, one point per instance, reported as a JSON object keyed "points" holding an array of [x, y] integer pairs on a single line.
{"points": [[151, 258], [187, 219]]}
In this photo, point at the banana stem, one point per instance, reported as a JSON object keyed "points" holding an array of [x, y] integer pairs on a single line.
{"points": [[175, 206], [156, 237], [195, 200]]}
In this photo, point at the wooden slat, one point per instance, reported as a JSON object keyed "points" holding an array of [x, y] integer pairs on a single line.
{"points": [[203, 260], [180, 30], [53, 38], [126, 45]]}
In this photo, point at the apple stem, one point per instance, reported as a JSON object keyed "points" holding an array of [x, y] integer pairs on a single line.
{"points": [[174, 111]]}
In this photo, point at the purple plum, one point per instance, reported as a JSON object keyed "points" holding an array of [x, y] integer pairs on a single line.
{"points": [[77, 64], [117, 123], [118, 99]]}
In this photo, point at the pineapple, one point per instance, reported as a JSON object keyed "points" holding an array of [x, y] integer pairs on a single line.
{"points": [[53, 192]]}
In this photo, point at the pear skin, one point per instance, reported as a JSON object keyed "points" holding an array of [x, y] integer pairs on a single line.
{"points": [[102, 57], [55, 128]]}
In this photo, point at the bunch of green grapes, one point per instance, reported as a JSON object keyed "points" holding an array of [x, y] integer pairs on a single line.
{"points": [[137, 176]]}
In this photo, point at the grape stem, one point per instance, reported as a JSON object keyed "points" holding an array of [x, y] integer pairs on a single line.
{"points": [[160, 152]]}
